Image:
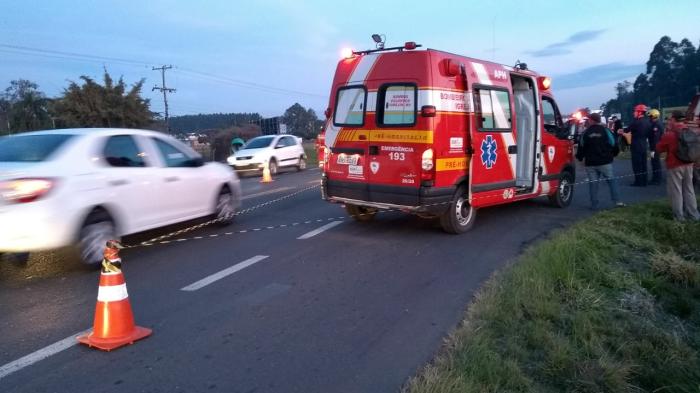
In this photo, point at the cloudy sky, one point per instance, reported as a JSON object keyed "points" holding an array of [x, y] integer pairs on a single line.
{"points": [[264, 55]]}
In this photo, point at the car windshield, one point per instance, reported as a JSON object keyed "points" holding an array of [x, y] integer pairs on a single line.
{"points": [[30, 148], [257, 143]]}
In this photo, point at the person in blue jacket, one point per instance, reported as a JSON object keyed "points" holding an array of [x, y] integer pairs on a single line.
{"points": [[640, 129]]}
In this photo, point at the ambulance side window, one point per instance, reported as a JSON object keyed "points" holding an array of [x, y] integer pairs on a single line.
{"points": [[350, 106], [396, 105], [492, 109]]}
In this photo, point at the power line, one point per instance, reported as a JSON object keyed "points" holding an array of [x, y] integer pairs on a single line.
{"points": [[165, 91], [24, 50]]}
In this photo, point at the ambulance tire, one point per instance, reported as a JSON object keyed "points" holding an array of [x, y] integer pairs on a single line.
{"points": [[565, 191], [361, 213], [460, 215]]}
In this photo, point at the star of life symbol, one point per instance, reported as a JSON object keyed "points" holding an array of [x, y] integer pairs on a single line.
{"points": [[488, 152]]}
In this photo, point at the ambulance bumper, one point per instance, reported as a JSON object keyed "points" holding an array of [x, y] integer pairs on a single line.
{"points": [[430, 200]]}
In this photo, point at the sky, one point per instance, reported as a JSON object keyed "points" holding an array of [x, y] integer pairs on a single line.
{"points": [[264, 55]]}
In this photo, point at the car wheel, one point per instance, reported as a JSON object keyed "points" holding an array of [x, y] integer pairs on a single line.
{"points": [[565, 191], [460, 214], [273, 166], [302, 164], [361, 213], [94, 234], [224, 211]]}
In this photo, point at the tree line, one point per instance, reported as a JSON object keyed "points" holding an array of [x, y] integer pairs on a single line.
{"points": [[672, 78], [114, 104]]}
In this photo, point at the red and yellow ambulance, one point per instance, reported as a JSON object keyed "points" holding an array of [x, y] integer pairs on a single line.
{"points": [[441, 135]]}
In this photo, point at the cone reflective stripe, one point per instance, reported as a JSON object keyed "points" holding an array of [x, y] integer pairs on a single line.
{"points": [[114, 321]]}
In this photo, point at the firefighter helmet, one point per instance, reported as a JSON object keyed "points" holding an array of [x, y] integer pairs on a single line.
{"points": [[654, 113], [640, 108]]}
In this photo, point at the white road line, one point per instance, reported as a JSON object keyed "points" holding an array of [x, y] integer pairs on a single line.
{"points": [[224, 273], [266, 192], [41, 354], [319, 230]]}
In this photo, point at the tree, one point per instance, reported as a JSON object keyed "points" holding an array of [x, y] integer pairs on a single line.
{"points": [[671, 79], [111, 105], [300, 121], [24, 107]]}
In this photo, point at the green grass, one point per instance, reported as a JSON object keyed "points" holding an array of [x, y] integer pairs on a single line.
{"points": [[611, 304], [311, 154]]}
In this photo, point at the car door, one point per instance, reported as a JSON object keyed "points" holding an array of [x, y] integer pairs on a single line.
{"points": [[284, 151], [184, 188], [129, 183]]}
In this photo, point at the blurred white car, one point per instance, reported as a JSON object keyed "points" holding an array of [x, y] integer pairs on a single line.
{"points": [[277, 150], [83, 187]]}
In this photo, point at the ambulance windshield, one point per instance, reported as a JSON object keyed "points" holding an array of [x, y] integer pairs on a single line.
{"points": [[350, 106]]}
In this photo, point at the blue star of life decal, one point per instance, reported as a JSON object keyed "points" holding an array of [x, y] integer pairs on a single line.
{"points": [[488, 152]]}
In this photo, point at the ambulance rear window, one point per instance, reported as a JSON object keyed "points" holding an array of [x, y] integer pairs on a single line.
{"points": [[492, 109], [397, 105], [350, 106]]}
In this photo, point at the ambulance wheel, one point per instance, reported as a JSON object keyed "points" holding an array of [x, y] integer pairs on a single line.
{"points": [[361, 213], [460, 215], [565, 191]]}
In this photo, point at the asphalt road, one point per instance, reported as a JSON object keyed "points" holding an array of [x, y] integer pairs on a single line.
{"points": [[358, 307]]}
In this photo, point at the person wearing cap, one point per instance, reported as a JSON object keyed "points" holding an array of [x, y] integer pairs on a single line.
{"points": [[657, 129], [680, 174], [597, 148], [640, 129]]}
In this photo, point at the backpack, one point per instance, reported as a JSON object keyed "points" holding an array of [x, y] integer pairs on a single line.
{"points": [[688, 146], [616, 143]]}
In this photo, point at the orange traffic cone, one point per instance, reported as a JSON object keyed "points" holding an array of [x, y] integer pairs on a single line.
{"points": [[266, 176], [114, 321]]}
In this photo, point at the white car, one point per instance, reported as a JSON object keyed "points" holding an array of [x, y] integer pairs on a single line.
{"points": [[83, 187], [276, 150]]}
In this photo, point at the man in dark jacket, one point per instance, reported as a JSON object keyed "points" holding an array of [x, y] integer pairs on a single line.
{"points": [[657, 129], [597, 149], [640, 129]]}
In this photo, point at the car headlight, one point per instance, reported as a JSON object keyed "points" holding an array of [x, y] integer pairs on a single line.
{"points": [[231, 160]]}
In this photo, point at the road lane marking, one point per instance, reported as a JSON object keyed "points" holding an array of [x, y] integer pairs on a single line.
{"points": [[224, 273], [41, 354], [266, 192], [319, 230]]}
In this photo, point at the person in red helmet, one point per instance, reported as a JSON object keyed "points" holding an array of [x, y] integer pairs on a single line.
{"points": [[640, 129]]}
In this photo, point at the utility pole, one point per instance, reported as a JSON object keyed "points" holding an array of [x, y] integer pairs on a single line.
{"points": [[165, 91]]}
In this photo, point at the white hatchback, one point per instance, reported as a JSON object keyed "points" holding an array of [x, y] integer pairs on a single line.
{"points": [[85, 186], [276, 150]]}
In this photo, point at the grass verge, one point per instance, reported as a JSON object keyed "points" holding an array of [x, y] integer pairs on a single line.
{"points": [[611, 304]]}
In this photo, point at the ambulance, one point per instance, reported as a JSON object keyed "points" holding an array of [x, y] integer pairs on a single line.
{"points": [[441, 135]]}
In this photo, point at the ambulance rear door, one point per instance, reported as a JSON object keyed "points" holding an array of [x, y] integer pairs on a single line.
{"points": [[347, 140], [396, 145]]}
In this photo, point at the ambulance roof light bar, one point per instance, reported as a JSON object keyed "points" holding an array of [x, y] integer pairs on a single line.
{"points": [[379, 40]]}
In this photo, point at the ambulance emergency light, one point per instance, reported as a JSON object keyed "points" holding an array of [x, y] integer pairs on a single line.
{"points": [[544, 82]]}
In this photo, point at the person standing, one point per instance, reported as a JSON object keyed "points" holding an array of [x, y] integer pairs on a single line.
{"points": [[640, 129], [657, 129], [680, 174], [597, 148]]}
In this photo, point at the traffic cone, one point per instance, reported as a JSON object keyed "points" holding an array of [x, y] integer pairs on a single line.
{"points": [[266, 176], [114, 321]]}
